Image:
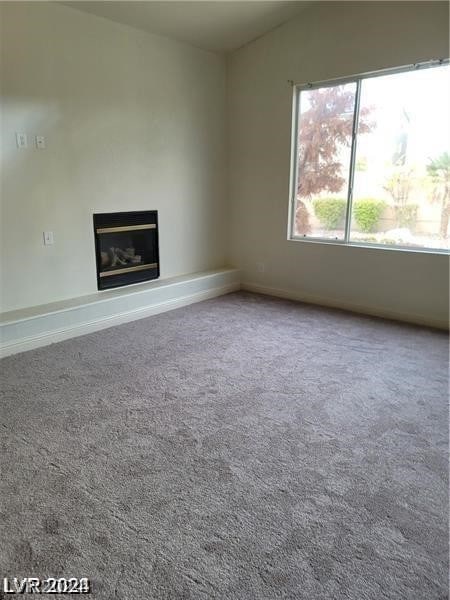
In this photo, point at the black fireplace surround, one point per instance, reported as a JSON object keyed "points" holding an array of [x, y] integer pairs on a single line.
{"points": [[126, 248]]}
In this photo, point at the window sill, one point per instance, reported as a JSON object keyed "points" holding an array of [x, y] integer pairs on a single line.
{"points": [[368, 246]]}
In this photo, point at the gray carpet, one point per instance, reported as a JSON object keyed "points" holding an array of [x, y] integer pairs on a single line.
{"points": [[242, 448]]}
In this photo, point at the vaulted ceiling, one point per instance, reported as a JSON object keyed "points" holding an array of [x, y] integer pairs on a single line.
{"points": [[220, 26]]}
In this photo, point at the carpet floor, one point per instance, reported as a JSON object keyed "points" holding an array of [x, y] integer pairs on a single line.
{"points": [[242, 448]]}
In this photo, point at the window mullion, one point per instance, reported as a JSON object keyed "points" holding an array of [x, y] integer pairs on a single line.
{"points": [[348, 218]]}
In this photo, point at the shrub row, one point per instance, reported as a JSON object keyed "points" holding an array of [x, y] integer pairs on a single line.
{"points": [[331, 212]]}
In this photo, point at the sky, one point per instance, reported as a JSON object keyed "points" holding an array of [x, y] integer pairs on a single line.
{"points": [[424, 95]]}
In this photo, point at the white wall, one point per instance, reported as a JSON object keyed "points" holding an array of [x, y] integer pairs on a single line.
{"points": [[328, 40], [135, 121], [132, 121]]}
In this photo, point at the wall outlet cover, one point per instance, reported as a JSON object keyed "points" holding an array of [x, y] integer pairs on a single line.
{"points": [[40, 142]]}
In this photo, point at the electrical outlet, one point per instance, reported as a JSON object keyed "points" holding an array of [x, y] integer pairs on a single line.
{"points": [[40, 142], [21, 139], [260, 267]]}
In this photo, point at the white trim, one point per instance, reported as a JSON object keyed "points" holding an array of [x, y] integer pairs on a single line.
{"points": [[343, 244], [373, 311], [434, 62], [40, 330], [36, 330]]}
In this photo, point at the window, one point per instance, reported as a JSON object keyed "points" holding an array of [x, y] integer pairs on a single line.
{"points": [[371, 160]]}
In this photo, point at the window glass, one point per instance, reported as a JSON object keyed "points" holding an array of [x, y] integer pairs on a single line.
{"points": [[324, 146], [393, 173], [401, 190]]}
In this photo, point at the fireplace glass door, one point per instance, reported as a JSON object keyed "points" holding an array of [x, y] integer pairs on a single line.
{"points": [[126, 247]]}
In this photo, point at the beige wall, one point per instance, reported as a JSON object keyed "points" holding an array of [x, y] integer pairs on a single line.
{"points": [[328, 40], [132, 121], [135, 121]]}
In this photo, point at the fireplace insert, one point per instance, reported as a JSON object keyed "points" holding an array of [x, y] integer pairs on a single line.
{"points": [[126, 247]]}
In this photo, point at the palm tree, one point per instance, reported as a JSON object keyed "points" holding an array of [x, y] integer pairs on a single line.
{"points": [[439, 171]]}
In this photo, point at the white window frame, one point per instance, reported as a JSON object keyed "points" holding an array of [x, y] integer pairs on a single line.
{"points": [[293, 187]]}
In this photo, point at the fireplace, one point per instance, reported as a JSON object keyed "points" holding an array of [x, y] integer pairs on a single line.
{"points": [[126, 247]]}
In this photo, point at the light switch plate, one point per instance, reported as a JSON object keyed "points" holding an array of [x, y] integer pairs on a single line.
{"points": [[48, 238], [21, 139]]}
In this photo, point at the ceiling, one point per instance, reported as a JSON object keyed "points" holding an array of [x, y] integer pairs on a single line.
{"points": [[220, 26]]}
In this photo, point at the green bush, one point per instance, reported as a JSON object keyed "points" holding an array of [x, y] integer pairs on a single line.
{"points": [[367, 213], [330, 211]]}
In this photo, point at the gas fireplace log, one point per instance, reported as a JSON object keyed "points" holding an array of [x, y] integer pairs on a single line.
{"points": [[104, 259], [118, 257], [115, 258]]}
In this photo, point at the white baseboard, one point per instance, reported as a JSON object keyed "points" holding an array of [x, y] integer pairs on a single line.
{"points": [[356, 308], [40, 326], [108, 309]]}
